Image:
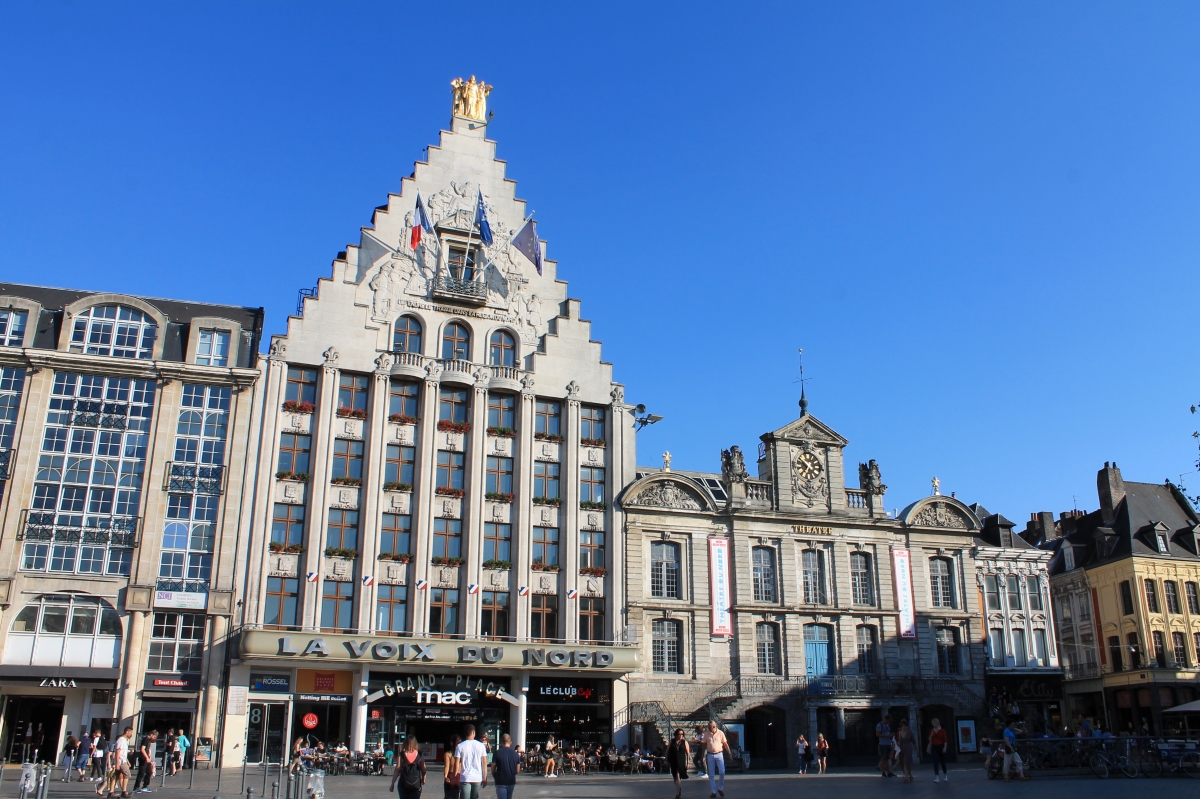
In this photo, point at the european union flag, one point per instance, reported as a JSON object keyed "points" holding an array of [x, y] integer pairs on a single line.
{"points": [[526, 242], [485, 230]]}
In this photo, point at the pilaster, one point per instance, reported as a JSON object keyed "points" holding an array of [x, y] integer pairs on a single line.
{"points": [[568, 609], [318, 484]]}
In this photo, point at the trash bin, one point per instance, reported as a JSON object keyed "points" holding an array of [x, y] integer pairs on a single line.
{"points": [[316, 784], [28, 783]]}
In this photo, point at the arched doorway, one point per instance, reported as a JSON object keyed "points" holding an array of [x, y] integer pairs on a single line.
{"points": [[945, 716], [766, 735]]}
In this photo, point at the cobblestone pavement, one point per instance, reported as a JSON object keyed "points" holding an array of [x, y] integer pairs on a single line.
{"points": [[857, 782]]}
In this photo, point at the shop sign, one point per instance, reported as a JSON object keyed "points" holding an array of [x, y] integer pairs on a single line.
{"points": [[50, 682], [718, 573], [176, 682], [902, 579], [279, 683], [344, 648], [432, 689], [565, 691], [443, 698], [321, 697], [310, 721], [188, 600]]}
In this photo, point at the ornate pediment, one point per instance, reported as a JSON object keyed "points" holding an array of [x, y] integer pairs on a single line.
{"points": [[942, 512], [809, 428], [667, 493]]}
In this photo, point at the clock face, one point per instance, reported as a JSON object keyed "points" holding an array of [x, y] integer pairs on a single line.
{"points": [[808, 465]]}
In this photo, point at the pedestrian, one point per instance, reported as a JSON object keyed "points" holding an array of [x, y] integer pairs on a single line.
{"points": [[99, 756], [146, 747], [168, 752], [68, 756], [906, 743], [883, 734], [450, 778], [410, 770], [801, 755], [698, 751], [471, 757], [506, 764], [1011, 758], [822, 753], [715, 747], [84, 754], [182, 744], [938, 741], [121, 757], [551, 750], [679, 756]]}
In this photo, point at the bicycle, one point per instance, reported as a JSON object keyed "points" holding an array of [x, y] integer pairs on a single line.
{"points": [[1102, 762]]}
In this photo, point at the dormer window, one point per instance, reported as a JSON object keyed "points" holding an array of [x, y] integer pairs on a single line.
{"points": [[12, 327], [1160, 539], [213, 348], [1068, 557], [115, 330]]}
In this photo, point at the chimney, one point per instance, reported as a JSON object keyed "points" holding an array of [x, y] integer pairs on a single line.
{"points": [[1111, 490]]}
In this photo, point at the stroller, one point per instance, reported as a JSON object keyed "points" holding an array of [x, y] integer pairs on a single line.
{"points": [[316, 784]]}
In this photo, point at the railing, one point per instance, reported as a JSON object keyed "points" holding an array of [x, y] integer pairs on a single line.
{"points": [[456, 365], [6, 461], [1081, 671], [856, 498], [759, 492], [450, 287], [191, 478], [409, 359], [506, 373], [185, 586], [304, 295], [655, 713], [94, 413], [41, 526]]}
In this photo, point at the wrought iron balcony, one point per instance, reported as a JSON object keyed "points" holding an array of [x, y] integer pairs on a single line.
{"points": [[1081, 671], [119, 531], [191, 478], [186, 586], [94, 413], [6, 462], [472, 292]]}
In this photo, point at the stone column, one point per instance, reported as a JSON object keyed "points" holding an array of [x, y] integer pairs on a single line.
{"points": [[318, 485], [358, 713], [525, 513], [210, 699], [135, 631], [423, 498], [522, 712], [568, 536], [614, 543], [375, 433], [473, 504]]}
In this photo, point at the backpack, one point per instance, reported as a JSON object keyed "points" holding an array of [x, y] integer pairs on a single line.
{"points": [[410, 773]]}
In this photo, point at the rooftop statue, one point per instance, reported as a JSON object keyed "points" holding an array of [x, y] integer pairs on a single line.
{"points": [[470, 98]]}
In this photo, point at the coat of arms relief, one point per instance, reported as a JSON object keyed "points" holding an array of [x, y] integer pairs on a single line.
{"points": [[405, 274]]}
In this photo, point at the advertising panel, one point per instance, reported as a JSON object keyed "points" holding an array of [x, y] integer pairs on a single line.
{"points": [[718, 567], [187, 600], [902, 579]]}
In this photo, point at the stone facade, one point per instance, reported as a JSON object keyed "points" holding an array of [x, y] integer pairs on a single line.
{"points": [[123, 430], [439, 448], [822, 635]]}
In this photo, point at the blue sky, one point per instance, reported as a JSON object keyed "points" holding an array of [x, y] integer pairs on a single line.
{"points": [[978, 220]]}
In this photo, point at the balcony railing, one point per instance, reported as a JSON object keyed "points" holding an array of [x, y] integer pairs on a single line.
{"points": [[758, 492], [190, 478], [506, 373], [449, 287], [185, 586], [856, 498], [1081, 671], [117, 531], [6, 461], [94, 413]]}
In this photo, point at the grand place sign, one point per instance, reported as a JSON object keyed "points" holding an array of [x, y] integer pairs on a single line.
{"points": [[262, 644]]}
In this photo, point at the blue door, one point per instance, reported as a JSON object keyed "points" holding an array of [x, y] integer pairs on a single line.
{"points": [[818, 654]]}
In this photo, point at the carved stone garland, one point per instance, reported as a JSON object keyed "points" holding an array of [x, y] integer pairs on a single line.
{"points": [[939, 514], [667, 494]]}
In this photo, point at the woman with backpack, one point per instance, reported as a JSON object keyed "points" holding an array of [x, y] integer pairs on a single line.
{"points": [[409, 771]]}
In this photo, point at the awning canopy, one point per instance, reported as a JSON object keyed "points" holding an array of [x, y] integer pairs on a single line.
{"points": [[1190, 707]]}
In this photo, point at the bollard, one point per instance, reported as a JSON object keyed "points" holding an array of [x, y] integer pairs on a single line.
{"points": [[250, 792], [266, 771], [192, 775], [244, 766], [275, 789], [290, 785]]}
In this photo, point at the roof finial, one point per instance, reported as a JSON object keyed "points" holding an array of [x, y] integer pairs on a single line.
{"points": [[803, 399]]}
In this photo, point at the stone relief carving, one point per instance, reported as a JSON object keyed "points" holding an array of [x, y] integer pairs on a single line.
{"points": [[808, 475], [470, 98], [666, 494], [495, 579], [593, 520], [482, 376], [617, 394], [544, 583], [384, 362], [445, 575], [733, 465], [278, 348], [592, 587], [546, 518], [869, 478], [593, 456], [527, 382], [572, 390], [939, 514], [448, 508]]}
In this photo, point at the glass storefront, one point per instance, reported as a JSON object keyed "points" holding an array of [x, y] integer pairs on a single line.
{"points": [[434, 708], [577, 712]]}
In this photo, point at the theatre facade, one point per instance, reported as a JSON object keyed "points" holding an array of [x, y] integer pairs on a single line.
{"points": [[433, 537]]}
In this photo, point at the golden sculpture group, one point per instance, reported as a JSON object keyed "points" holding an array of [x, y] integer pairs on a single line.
{"points": [[470, 98]]}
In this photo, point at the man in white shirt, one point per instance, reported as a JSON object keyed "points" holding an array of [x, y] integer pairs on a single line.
{"points": [[472, 764], [121, 760]]}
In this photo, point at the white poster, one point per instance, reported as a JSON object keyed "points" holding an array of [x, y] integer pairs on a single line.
{"points": [[902, 578], [189, 600], [718, 570]]}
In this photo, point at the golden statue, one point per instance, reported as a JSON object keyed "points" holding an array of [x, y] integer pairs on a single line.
{"points": [[470, 98]]}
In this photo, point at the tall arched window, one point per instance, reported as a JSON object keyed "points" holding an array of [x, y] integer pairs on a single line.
{"points": [[116, 330], [65, 630], [456, 343], [941, 583], [665, 644], [763, 560], [766, 636], [406, 336], [860, 579], [502, 350]]}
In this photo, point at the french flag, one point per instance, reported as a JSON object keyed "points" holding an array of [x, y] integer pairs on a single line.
{"points": [[572, 594], [422, 585], [523, 591], [311, 577], [420, 223], [368, 580], [473, 588]]}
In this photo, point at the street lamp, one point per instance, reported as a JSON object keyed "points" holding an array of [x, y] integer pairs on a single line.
{"points": [[641, 418]]}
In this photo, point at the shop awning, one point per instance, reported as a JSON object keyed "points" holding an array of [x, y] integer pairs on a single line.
{"points": [[1190, 707]]}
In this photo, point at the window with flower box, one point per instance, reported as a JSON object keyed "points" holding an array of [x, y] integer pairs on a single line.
{"points": [[287, 528], [591, 487], [301, 387], [294, 453], [591, 619], [547, 420], [404, 401], [395, 536], [341, 536], [398, 468], [591, 551], [545, 547], [591, 425], [543, 617], [391, 609], [497, 540], [502, 411], [447, 541], [347, 461], [493, 622], [453, 406], [499, 480], [450, 469], [545, 480], [352, 395]]}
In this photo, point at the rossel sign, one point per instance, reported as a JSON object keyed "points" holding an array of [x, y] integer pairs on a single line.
{"points": [[260, 644]]}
